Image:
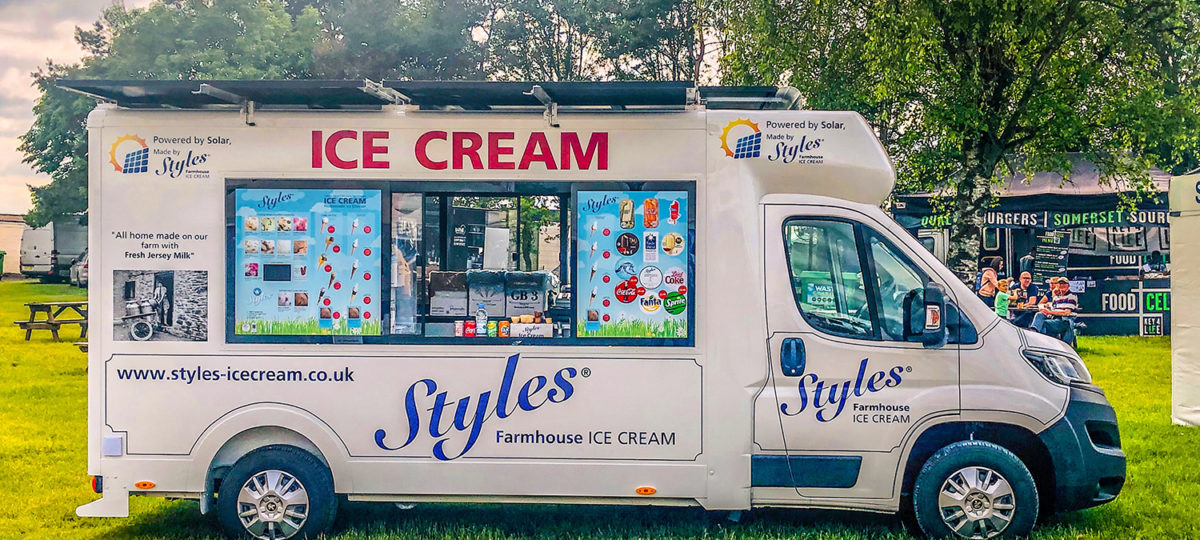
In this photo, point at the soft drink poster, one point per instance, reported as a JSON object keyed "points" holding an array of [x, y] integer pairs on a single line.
{"points": [[633, 264]]}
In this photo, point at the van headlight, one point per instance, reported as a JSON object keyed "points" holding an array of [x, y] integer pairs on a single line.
{"points": [[1059, 367]]}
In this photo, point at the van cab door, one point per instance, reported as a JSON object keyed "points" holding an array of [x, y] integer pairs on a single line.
{"points": [[850, 384]]}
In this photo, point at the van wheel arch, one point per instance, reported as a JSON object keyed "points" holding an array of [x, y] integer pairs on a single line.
{"points": [[1020, 441], [246, 442]]}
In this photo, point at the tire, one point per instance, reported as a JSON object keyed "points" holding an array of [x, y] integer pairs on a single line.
{"points": [[285, 472], [983, 470]]}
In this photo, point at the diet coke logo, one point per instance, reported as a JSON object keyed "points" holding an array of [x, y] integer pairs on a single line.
{"points": [[675, 277]]}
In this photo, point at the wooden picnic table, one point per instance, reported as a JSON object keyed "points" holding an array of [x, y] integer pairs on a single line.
{"points": [[53, 320]]}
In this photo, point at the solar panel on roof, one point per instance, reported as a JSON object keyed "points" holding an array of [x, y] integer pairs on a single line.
{"points": [[472, 95]]}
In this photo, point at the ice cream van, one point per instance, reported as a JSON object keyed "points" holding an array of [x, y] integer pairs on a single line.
{"points": [[591, 293]]}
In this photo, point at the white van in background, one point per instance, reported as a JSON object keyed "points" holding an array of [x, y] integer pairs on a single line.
{"points": [[36, 245], [48, 252], [296, 300]]}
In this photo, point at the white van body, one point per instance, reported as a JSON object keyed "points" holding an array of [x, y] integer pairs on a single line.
{"points": [[36, 245], [47, 252], [715, 422]]}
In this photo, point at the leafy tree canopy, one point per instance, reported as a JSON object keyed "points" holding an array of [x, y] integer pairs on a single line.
{"points": [[964, 91], [191, 39]]}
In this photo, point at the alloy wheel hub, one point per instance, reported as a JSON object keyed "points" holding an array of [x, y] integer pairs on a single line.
{"points": [[272, 505], [976, 502]]}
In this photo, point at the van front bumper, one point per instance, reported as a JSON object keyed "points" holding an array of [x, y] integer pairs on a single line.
{"points": [[1085, 448]]}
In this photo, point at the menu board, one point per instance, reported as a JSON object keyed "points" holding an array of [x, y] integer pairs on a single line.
{"points": [[307, 262], [1050, 255], [633, 263]]}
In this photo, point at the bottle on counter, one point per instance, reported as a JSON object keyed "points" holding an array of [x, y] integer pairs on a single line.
{"points": [[481, 319]]}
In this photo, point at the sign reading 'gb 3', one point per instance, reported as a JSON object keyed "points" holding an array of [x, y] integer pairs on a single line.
{"points": [[439, 150]]}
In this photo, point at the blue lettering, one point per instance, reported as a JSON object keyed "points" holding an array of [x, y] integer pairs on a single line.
{"points": [[830, 398], [526, 393], [505, 386], [563, 385], [472, 424], [410, 407]]}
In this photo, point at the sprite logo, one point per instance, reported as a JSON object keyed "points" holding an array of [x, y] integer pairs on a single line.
{"points": [[675, 303]]}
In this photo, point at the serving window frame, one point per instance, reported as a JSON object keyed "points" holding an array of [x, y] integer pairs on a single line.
{"points": [[566, 190]]}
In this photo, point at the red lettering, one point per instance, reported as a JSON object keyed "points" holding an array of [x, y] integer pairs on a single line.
{"points": [[370, 149], [422, 150], [331, 149], [467, 144], [538, 149], [317, 160], [597, 149], [495, 150]]}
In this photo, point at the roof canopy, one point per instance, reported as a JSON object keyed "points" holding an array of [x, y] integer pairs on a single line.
{"points": [[1084, 180], [466, 95]]}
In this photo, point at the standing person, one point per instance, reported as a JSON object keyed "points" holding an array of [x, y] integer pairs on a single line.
{"points": [[1002, 297], [987, 286], [1025, 264], [1027, 293], [1055, 317], [160, 302]]}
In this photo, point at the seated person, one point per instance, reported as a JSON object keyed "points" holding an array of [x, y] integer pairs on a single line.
{"points": [[1027, 293], [1056, 315], [987, 286]]}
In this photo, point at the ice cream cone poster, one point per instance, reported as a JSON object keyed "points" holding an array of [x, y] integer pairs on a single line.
{"points": [[332, 268], [620, 240]]}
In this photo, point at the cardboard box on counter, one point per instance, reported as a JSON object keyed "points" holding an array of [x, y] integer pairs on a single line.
{"points": [[487, 288]]}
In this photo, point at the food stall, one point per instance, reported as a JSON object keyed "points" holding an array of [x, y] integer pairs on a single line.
{"points": [[1116, 258]]}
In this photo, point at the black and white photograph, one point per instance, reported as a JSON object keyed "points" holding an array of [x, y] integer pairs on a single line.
{"points": [[160, 305]]}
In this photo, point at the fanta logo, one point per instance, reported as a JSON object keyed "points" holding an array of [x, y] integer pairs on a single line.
{"points": [[532, 395], [746, 138], [829, 398], [129, 154], [651, 303]]}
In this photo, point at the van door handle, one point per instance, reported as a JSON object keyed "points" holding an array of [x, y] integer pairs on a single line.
{"points": [[791, 357]]}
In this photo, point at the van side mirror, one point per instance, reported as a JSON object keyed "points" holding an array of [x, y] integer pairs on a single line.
{"points": [[934, 334], [925, 316]]}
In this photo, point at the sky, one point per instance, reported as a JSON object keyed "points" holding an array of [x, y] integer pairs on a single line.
{"points": [[32, 31]]}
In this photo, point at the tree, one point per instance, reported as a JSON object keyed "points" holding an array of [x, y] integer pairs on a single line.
{"points": [[421, 39], [962, 91], [617, 39], [188, 39]]}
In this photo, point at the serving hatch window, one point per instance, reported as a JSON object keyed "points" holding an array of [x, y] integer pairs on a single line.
{"points": [[464, 262]]}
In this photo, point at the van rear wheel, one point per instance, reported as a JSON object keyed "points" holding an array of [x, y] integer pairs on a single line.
{"points": [[975, 489], [277, 493]]}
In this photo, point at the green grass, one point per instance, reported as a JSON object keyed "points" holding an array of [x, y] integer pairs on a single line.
{"points": [[43, 464], [669, 328], [306, 327]]}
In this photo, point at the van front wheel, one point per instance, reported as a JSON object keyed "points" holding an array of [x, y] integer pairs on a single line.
{"points": [[277, 492], [975, 489]]}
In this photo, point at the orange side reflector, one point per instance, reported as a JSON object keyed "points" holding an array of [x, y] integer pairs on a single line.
{"points": [[646, 490], [144, 485]]}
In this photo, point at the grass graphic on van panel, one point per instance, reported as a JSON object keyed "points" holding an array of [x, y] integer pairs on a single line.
{"points": [[669, 328], [304, 327]]}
